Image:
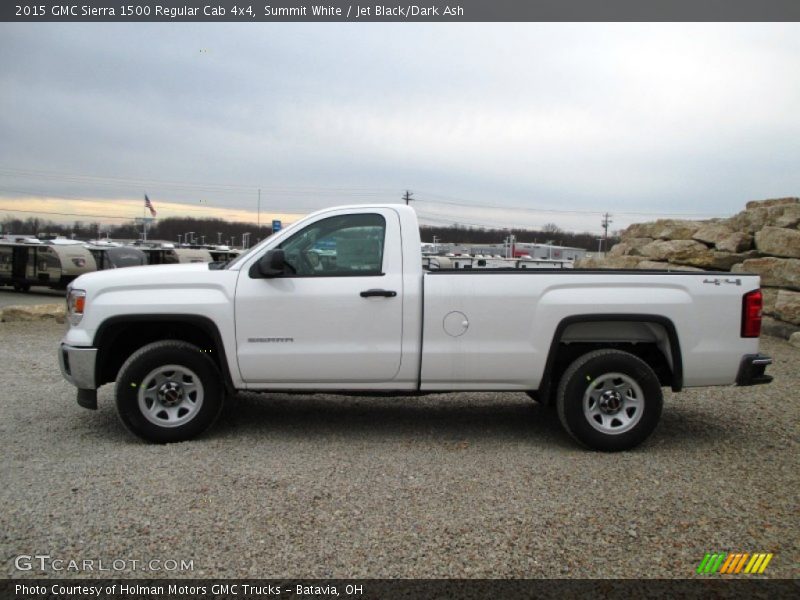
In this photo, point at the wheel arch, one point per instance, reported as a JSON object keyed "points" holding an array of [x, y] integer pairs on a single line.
{"points": [[118, 337], [578, 323]]}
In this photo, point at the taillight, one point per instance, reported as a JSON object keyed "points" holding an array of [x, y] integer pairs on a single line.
{"points": [[752, 304]]}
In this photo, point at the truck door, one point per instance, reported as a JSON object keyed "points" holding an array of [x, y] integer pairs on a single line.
{"points": [[338, 318]]}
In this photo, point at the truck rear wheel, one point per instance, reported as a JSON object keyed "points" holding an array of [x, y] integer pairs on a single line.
{"points": [[168, 391], [609, 400]]}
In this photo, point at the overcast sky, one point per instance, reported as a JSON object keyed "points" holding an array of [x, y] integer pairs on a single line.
{"points": [[475, 119]]}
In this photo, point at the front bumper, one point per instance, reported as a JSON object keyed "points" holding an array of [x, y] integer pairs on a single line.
{"points": [[78, 367], [751, 370]]}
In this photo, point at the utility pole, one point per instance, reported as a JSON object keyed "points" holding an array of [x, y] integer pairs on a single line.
{"points": [[407, 197], [219, 238], [605, 223]]}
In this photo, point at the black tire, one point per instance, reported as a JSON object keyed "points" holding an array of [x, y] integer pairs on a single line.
{"points": [[609, 400], [186, 402]]}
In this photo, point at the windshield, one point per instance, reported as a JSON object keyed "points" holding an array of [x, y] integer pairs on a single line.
{"points": [[246, 253], [242, 256]]}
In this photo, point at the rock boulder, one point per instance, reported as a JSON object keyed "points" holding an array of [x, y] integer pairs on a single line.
{"points": [[609, 262], [771, 202], [794, 339], [755, 219], [787, 306], [665, 229], [631, 247], [666, 249], [736, 242], [775, 272], [675, 229], [664, 266], [34, 312], [712, 259], [775, 328], [779, 241], [713, 233], [770, 295]]}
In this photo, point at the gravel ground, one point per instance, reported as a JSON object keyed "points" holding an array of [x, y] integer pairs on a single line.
{"points": [[451, 485], [8, 297]]}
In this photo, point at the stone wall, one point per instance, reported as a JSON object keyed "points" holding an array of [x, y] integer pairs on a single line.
{"points": [[763, 239]]}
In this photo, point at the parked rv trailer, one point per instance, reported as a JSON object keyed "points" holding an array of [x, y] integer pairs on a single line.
{"points": [[543, 263], [434, 263], [115, 257], [171, 256], [30, 262]]}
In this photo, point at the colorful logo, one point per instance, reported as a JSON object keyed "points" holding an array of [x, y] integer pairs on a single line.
{"points": [[734, 563]]}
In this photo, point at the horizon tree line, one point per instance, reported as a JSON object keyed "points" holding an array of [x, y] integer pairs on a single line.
{"points": [[219, 231]]}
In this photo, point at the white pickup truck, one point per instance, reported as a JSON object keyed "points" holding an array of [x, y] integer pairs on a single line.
{"points": [[339, 302]]}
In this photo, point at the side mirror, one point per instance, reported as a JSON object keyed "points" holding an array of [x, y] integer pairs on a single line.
{"points": [[272, 264]]}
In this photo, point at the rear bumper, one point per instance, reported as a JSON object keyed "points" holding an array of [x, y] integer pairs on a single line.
{"points": [[77, 365], [751, 370]]}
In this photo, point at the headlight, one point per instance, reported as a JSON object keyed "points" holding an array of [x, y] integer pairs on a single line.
{"points": [[76, 300]]}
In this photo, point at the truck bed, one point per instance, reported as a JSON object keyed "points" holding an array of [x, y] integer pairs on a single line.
{"points": [[509, 327]]}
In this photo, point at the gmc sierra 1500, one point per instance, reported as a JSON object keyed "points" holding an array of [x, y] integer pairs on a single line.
{"points": [[339, 302]]}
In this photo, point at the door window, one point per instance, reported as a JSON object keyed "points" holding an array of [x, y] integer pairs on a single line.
{"points": [[347, 245]]}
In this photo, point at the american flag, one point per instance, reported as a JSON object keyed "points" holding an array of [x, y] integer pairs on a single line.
{"points": [[149, 205]]}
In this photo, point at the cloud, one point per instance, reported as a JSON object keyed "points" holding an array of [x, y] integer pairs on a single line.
{"points": [[649, 118]]}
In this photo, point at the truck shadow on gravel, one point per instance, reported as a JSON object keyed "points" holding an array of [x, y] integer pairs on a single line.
{"points": [[680, 430], [464, 416], [497, 417], [500, 417]]}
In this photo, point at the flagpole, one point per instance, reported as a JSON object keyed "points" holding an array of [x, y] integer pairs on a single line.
{"points": [[144, 221]]}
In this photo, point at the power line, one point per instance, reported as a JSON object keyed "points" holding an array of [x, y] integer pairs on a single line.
{"points": [[63, 214], [192, 186], [457, 202], [248, 190], [450, 222]]}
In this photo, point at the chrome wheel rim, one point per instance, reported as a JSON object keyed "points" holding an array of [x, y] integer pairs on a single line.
{"points": [[170, 396], [613, 403]]}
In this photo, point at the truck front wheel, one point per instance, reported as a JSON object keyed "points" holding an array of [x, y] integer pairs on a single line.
{"points": [[168, 391], [609, 400]]}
